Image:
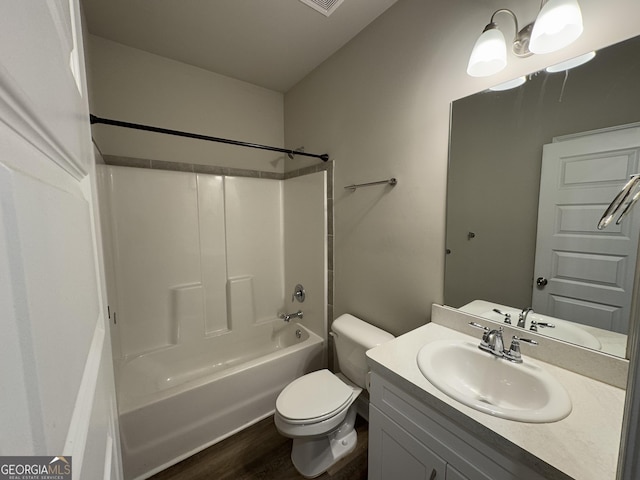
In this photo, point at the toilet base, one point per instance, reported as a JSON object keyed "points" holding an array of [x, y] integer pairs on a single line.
{"points": [[314, 456]]}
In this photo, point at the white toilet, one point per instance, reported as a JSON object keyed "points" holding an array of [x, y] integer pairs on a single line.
{"points": [[317, 410]]}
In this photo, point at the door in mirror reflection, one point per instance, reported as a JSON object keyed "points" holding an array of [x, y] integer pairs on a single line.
{"points": [[589, 272]]}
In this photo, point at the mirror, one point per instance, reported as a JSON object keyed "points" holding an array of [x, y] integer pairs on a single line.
{"points": [[497, 145]]}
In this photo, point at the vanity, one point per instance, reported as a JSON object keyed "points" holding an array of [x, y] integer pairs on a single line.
{"points": [[526, 187], [418, 432]]}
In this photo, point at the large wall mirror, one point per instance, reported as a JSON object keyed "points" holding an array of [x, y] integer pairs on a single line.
{"points": [[531, 170]]}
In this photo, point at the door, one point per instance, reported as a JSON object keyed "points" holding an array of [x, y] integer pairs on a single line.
{"points": [[57, 376], [586, 275]]}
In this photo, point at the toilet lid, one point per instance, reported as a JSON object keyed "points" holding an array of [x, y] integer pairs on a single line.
{"points": [[313, 395]]}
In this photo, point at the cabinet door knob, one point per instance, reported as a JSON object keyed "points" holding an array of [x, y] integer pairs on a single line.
{"points": [[434, 474]]}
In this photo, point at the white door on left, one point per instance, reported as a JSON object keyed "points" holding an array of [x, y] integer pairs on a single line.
{"points": [[56, 381]]}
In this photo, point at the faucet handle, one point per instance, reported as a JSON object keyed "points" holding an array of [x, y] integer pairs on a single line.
{"points": [[298, 293], [477, 325], [507, 316], [513, 354]]}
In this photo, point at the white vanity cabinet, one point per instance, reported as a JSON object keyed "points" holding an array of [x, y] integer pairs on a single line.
{"points": [[394, 453], [409, 440]]}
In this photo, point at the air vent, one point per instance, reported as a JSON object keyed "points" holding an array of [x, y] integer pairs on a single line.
{"points": [[326, 7]]}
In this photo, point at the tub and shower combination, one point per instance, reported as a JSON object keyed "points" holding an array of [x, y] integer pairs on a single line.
{"points": [[176, 402], [199, 274]]}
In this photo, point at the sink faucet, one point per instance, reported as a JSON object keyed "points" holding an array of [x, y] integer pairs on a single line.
{"points": [[288, 316], [492, 340], [522, 318], [493, 343]]}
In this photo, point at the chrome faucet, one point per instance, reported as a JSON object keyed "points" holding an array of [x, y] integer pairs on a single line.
{"points": [[492, 340], [288, 316], [522, 318], [493, 343]]}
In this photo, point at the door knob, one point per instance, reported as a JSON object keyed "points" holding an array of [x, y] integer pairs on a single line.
{"points": [[541, 282]]}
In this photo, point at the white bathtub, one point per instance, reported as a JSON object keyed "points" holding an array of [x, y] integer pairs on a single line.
{"points": [[177, 401]]}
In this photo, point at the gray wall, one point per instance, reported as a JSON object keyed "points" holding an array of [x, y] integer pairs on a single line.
{"points": [[380, 107], [135, 86]]}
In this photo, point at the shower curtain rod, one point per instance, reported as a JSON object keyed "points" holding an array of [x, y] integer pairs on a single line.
{"points": [[136, 126]]}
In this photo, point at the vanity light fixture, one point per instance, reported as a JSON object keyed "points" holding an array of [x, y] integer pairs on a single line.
{"points": [[516, 82], [558, 24], [571, 63]]}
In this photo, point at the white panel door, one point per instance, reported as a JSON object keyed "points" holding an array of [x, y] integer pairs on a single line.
{"points": [[56, 374], [589, 272]]}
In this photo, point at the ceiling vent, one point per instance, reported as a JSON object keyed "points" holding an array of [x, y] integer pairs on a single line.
{"points": [[326, 7]]}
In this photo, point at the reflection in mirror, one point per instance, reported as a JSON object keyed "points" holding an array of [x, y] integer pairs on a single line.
{"points": [[531, 170]]}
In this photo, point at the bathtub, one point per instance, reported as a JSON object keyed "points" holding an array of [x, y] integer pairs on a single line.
{"points": [[177, 401]]}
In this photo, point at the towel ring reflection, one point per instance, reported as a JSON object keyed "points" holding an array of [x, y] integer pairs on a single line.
{"points": [[617, 203]]}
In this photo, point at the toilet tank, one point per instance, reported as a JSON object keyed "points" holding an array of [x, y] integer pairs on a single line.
{"points": [[353, 337]]}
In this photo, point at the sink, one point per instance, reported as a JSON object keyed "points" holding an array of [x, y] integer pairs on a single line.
{"points": [[522, 392], [564, 330]]}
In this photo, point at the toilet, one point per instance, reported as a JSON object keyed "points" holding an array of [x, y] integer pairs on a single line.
{"points": [[317, 410]]}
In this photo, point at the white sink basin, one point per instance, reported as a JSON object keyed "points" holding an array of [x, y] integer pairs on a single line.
{"points": [[522, 392], [563, 330]]}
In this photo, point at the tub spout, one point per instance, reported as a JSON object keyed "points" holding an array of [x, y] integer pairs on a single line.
{"points": [[288, 316]]}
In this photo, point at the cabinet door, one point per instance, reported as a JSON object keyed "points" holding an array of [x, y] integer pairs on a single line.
{"points": [[393, 453], [453, 474]]}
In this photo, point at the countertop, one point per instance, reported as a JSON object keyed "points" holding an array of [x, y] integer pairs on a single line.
{"points": [[583, 446]]}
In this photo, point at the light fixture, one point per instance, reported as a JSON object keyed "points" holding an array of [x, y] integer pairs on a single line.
{"points": [[516, 82], [559, 23], [571, 63], [489, 54]]}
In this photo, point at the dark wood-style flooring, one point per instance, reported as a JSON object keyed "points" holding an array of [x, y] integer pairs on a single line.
{"points": [[260, 452]]}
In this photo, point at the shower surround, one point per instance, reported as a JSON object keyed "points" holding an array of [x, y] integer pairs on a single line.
{"points": [[200, 265]]}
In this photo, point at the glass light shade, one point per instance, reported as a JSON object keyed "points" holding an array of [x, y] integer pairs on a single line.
{"points": [[571, 63], [559, 23], [489, 54], [516, 82]]}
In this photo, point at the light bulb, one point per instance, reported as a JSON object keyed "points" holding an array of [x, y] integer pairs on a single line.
{"points": [[559, 23], [489, 54]]}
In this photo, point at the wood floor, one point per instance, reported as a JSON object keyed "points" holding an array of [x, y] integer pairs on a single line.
{"points": [[260, 452]]}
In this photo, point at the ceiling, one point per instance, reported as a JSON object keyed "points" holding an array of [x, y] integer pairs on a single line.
{"points": [[271, 43]]}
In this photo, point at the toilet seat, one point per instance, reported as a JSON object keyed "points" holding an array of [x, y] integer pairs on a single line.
{"points": [[313, 398]]}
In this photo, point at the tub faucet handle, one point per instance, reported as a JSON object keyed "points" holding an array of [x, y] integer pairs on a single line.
{"points": [[299, 293]]}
